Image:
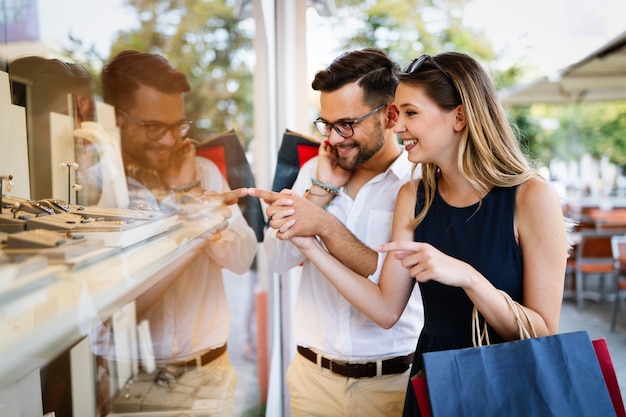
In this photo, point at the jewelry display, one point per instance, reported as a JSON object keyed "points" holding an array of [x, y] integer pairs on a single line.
{"points": [[13, 222], [71, 166], [8, 179]]}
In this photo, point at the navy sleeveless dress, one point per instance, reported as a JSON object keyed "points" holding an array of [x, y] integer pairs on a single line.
{"points": [[484, 238]]}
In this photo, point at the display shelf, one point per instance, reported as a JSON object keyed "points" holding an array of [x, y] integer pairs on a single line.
{"points": [[39, 325]]}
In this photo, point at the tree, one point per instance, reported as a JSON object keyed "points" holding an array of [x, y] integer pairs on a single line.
{"points": [[408, 29], [213, 46], [598, 128]]}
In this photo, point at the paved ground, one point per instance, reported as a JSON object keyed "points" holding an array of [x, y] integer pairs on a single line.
{"points": [[239, 291], [594, 317]]}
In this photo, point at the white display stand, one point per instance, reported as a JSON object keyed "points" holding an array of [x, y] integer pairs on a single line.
{"points": [[13, 142], [62, 152]]}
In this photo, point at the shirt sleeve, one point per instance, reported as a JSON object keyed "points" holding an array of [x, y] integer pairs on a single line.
{"points": [[237, 247], [282, 254]]}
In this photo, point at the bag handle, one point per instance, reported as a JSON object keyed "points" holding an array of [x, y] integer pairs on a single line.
{"points": [[481, 334]]}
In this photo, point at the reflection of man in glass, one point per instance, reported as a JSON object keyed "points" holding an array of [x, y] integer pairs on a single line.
{"points": [[189, 319]]}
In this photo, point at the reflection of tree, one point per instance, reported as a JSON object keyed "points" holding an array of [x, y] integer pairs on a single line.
{"points": [[210, 44]]}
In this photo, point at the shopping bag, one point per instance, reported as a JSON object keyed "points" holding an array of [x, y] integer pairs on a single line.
{"points": [[421, 394], [547, 376], [295, 150], [227, 152], [608, 371]]}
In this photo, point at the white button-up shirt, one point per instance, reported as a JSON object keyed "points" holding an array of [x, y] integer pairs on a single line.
{"points": [[193, 316], [323, 319]]}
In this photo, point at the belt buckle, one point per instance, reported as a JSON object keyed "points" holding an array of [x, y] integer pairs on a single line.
{"points": [[339, 368], [168, 376], [371, 368], [343, 369], [355, 370]]}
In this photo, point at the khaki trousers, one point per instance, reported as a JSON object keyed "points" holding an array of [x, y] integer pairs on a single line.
{"points": [[208, 391], [316, 391]]}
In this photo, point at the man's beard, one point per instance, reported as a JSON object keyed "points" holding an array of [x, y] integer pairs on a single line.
{"points": [[365, 152]]}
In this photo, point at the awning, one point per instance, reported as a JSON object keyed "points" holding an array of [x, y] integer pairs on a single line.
{"points": [[601, 76]]}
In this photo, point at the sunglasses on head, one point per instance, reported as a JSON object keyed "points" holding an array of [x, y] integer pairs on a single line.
{"points": [[417, 63]]}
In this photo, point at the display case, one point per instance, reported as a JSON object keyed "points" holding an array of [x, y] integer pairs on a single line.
{"points": [[48, 308]]}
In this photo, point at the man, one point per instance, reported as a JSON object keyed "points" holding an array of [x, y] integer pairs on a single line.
{"points": [[188, 314], [346, 365]]}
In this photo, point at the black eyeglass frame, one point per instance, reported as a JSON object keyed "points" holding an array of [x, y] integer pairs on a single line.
{"points": [[155, 128], [324, 127]]}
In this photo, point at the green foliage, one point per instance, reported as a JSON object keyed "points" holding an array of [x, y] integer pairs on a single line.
{"points": [[602, 130], [213, 47], [407, 29], [569, 131]]}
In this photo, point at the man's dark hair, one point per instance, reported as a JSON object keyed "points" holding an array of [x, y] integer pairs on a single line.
{"points": [[371, 68], [131, 69]]}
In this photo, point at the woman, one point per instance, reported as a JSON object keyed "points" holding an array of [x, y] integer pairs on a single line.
{"points": [[478, 220]]}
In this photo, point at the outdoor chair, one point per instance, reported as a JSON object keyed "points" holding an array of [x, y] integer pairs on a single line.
{"points": [[593, 258], [618, 245]]}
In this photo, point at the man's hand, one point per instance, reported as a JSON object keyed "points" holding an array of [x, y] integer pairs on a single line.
{"points": [[227, 198], [328, 169], [182, 169], [216, 230], [293, 215], [270, 197], [299, 220], [219, 202]]}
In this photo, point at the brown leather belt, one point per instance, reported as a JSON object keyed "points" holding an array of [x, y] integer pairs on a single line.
{"points": [[201, 360], [391, 366]]}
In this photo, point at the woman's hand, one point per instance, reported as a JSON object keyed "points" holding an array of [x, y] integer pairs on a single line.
{"points": [[426, 263]]}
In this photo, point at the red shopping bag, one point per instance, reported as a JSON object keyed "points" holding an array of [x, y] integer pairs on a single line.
{"points": [[421, 395], [608, 371]]}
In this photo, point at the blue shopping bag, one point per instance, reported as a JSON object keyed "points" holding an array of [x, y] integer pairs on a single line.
{"points": [[547, 376]]}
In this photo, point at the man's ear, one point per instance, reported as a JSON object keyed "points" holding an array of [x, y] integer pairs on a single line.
{"points": [[392, 115], [460, 119]]}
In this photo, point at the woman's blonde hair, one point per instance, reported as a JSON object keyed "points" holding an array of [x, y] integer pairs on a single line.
{"points": [[489, 152]]}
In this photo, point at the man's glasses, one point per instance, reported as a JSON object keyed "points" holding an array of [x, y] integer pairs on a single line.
{"points": [[155, 131], [417, 63], [344, 128]]}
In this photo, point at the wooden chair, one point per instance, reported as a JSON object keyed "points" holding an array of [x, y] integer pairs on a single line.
{"points": [[594, 257], [613, 220], [618, 245]]}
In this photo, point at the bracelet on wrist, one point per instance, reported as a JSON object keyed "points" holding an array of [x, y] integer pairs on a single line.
{"points": [[316, 195], [186, 188], [330, 189]]}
